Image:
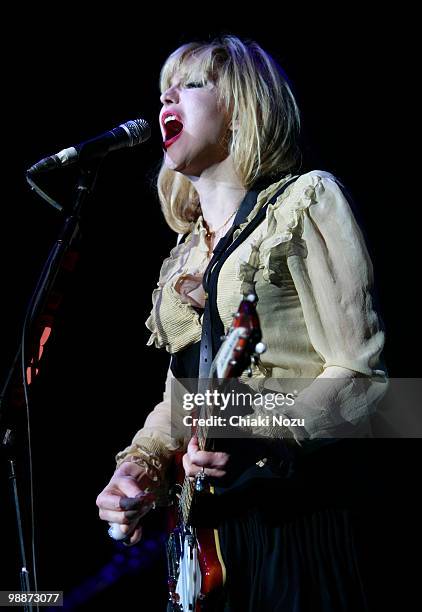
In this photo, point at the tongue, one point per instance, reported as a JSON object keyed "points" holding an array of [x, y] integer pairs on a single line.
{"points": [[173, 128]]}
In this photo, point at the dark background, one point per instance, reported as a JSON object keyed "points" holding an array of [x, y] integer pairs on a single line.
{"points": [[76, 79]]}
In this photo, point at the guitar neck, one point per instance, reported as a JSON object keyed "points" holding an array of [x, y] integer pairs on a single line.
{"points": [[188, 487], [241, 346], [185, 500]]}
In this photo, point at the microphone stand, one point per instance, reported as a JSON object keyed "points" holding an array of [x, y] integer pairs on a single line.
{"points": [[39, 318]]}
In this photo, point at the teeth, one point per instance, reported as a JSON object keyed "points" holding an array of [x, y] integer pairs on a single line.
{"points": [[170, 118]]}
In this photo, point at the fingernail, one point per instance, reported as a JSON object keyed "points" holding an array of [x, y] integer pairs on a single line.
{"points": [[127, 543], [130, 503]]}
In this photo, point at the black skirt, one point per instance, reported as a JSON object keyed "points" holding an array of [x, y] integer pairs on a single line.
{"points": [[296, 544], [306, 564]]}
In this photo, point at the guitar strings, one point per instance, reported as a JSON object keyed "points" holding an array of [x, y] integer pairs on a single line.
{"points": [[188, 487]]}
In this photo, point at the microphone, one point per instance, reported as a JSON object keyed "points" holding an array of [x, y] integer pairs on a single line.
{"points": [[127, 134]]}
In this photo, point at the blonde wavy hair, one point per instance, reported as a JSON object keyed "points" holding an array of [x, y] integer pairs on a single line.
{"points": [[254, 91]]}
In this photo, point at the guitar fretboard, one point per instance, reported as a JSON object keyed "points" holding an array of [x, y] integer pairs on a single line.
{"points": [[188, 487]]}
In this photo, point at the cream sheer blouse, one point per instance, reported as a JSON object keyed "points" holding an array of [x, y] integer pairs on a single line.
{"points": [[309, 266]]}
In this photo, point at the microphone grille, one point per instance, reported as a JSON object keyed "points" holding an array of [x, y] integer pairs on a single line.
{"points": [[139, 131]]}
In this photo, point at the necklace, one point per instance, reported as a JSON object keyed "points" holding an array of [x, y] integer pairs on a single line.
{"points": [[209, 235]]}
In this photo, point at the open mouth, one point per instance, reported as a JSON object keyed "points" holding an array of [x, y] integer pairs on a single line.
{"points": [[173, 128]]}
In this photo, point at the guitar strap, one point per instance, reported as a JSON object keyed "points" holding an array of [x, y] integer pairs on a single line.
{"points": [[212, 326]]}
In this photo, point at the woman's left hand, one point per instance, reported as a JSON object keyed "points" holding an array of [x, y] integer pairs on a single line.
{"points": [[214, 463]]}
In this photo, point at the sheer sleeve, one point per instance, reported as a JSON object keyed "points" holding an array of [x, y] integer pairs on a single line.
{"points": [[334, 280], [157, 441]]}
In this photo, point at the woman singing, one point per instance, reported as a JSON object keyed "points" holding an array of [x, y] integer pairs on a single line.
{"points": [[231, 179]]}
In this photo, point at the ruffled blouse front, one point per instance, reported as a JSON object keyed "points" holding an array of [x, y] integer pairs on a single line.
{"points": [[308, 264], [173, 321]]}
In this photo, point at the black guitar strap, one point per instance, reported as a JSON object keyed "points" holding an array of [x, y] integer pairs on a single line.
{"points": [[212, 326]]}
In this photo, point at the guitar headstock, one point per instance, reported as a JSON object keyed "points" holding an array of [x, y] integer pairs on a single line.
{"points": [[242, 345]]}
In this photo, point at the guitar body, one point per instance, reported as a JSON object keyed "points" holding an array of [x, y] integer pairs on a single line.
{"points": [[196, 569]]}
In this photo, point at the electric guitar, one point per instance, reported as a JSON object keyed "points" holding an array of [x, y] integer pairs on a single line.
{"points": [[196, 571]]}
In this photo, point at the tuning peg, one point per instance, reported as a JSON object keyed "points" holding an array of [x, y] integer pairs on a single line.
{"points": [[253, 359], [260, 348], [251, 297], [233, 362], [249, 372]]}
